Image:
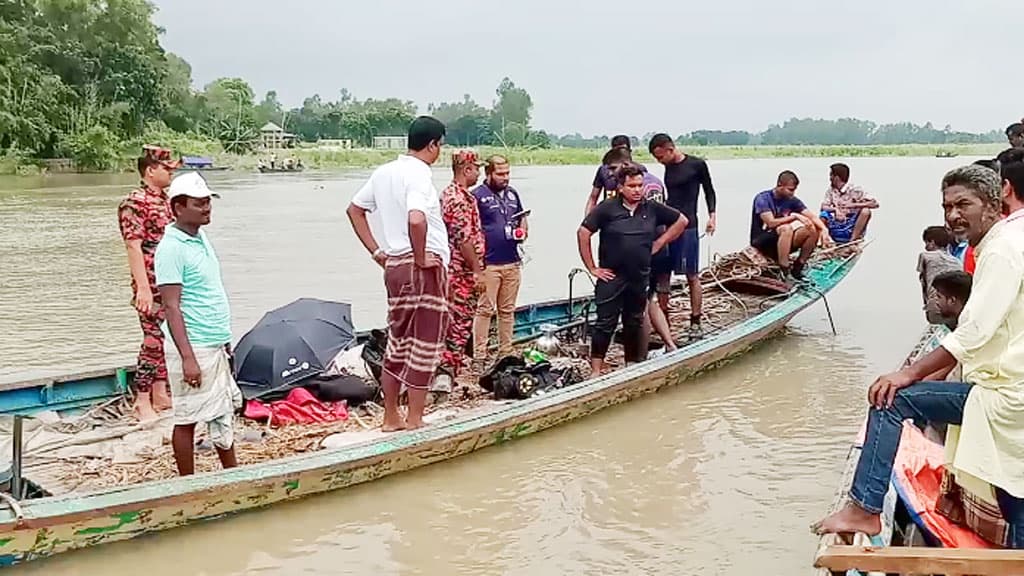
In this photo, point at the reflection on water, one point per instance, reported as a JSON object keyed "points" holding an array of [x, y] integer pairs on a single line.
{"points": [[719, 476]]}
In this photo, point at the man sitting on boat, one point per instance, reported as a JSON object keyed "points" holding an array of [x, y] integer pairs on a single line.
{"points": [[846, 209], [199, 322], [781, 223], [628, 225], [985, 411]]}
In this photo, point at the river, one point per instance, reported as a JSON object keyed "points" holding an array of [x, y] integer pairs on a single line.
{"points": [[722, 475]]}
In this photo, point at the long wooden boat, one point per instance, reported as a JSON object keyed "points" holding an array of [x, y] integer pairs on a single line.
{"points": [[280, 169], [901, 549], [43, 526]]}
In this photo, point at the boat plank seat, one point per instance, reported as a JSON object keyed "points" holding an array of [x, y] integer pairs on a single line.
{"points": [[921, 560]]}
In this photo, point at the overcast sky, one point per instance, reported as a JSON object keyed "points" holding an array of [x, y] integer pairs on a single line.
{"points": [[608, 66]]}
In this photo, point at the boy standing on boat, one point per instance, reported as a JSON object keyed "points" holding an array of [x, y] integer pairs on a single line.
{"points": [[986, 410], [203, 389], [846, 209], [499, 205], [415, 257], [685, 175], [628, 224], [142, 217], [466, 242]]}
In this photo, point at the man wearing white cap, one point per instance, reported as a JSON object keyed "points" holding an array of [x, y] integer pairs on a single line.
{"points": [[199, 322]]}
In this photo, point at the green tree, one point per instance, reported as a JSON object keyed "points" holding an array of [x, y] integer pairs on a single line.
{"points": [[510, 117], [467, 123], [180, 105], [270, 110], [231, 114]]}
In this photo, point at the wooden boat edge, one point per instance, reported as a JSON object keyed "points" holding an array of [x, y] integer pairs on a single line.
{"points": [[89, 516], [830, 545]]}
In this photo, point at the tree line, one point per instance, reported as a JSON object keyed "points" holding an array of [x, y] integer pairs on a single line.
{"points": [[89, 80]]}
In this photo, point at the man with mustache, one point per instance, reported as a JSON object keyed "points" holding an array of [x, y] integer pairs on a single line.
{"points": [[986, 409]]}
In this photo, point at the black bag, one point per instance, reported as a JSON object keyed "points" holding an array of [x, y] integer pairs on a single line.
{"points": [[373, 352], [511, 378], [352, 389]]}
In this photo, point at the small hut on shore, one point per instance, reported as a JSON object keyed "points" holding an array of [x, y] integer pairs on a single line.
{"points": [[391, 142], [273, 137]]}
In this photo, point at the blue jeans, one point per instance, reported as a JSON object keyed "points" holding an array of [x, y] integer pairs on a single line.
{"points": [[922, 402]]}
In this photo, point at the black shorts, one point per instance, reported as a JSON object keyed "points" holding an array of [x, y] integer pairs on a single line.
{"points": [[767, 243], [661, 273]]}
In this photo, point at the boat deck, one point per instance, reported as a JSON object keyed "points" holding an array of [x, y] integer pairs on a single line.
{"points": [[124, 452]]}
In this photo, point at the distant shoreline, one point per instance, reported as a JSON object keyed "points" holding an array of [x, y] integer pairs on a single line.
{"points": [[327, 159]]}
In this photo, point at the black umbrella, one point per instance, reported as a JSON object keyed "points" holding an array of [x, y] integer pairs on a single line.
{"points": [[291, 344]]}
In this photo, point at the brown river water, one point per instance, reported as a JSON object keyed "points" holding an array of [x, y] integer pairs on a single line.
{"points": [[721, 475]]}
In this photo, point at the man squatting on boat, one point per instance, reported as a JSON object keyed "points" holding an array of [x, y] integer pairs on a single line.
{"points": [[985, 410]]}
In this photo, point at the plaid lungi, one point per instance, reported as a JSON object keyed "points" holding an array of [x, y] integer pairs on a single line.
{"points": [[417, 320], [962, 507]]}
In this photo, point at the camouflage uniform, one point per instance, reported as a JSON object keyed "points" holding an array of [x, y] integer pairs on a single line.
{"points": [[143, 215], [462, 218]]}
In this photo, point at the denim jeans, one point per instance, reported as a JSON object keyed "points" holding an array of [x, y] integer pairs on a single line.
{"points": [[922, 402]]}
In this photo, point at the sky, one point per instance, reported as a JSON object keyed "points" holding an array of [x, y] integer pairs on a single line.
{"points": [[609, 66]]}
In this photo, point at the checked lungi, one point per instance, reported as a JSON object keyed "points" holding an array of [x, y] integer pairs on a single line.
{"points": [[417, 320]]}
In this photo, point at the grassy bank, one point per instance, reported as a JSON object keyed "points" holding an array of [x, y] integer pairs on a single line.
{"points": [[365, 158], [361, 158]]}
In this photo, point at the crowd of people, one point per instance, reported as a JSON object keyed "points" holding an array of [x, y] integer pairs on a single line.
{"points": [[452, 262], [972, 384]]}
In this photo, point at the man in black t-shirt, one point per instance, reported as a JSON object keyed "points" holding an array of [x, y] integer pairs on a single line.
{"points": [[628, 225], [684, 177]]}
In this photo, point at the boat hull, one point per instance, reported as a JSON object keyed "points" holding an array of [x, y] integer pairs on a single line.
{"points": [[57, 524]]}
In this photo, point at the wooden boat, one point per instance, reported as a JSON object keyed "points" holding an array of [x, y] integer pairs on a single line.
{"points": [[53, 523], [200, 164], [900, 548], [946, 154], [264, 169]]}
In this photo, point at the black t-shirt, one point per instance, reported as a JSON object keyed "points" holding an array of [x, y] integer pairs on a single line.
{"points": [[626, 239], [683, 181]]}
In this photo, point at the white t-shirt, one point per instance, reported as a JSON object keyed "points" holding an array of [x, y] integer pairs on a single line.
{"points": [[393, 190]]}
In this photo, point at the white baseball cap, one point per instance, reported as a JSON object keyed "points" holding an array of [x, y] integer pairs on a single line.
{"points": [[190, 184]]}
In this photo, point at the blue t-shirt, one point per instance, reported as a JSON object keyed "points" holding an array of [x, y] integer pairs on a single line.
{"points": [[191, 262], [496, 210], [779, 207]]}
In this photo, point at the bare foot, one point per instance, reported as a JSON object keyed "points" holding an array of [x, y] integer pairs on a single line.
{"points": [[413, 425], [392, 426], [143, 408], [851, 519], [161, 399]]}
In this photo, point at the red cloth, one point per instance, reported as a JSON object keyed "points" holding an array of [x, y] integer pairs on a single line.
{"points": [[299, 407], [918, 469], [969, 260]]}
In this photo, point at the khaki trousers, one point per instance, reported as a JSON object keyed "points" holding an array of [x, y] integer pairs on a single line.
{"points": [[501, 290]]}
